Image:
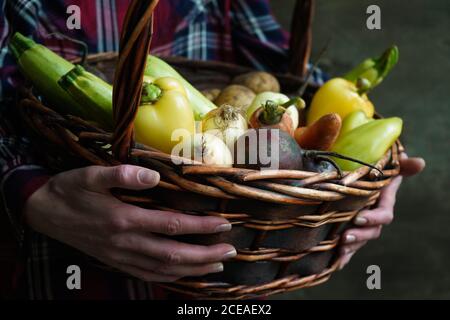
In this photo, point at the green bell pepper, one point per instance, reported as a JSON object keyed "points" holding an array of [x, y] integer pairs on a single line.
{"points": [[368, 142], [354, 120]]}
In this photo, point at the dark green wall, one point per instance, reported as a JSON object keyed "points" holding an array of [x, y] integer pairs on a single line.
{"points": [[413, 252]]}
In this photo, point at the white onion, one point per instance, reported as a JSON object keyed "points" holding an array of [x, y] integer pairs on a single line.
{"points": [[225, 123], [210, 150]]}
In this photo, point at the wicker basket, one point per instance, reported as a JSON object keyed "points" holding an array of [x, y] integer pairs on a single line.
{"points": [[286, 236]]}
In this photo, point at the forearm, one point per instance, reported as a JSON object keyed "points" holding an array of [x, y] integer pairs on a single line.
{"points": [[17, 185], [20, 176]]}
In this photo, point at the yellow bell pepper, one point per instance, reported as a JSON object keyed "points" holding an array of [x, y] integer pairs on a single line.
{"points": [[164, 109], [348, 94], [338, 96], [158, 68]]}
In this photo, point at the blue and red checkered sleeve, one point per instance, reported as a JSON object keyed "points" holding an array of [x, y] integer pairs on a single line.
{"points": [[19, 175], [258, 39]]}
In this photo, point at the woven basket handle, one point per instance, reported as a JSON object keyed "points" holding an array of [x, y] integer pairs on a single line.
{"points": [[135, 45], [301, 37]]}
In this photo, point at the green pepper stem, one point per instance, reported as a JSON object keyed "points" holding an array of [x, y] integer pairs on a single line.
{"points": [[374, 70], [363, 85], [150, 93], [297, 101]]}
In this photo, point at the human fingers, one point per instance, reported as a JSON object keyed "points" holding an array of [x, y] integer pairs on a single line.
{"points": [[411, 166], [345, 259], [173, 223], [162, 268], [351, 248], [101, 179], [355, 235], [171, 251], [383, 214]]}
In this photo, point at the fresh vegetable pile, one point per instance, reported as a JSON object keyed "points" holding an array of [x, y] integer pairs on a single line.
{"points": [[336, 131]]}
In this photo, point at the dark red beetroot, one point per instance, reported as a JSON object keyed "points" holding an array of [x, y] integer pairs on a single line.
{"points": [[255, 150]]}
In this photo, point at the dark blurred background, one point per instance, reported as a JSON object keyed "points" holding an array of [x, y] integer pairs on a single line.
{"points": [[414, 252]]}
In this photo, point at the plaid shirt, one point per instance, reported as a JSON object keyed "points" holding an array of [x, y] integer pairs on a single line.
{"points": [[241, 31]]}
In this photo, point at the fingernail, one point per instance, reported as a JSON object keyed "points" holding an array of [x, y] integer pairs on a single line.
{"points": [[230, 254], [350, 238], [147, 177], [223, 227], [360, 221], [217, 267]]}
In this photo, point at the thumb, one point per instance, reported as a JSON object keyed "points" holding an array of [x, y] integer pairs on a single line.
{"points": [[123, 176], [411, 166]]}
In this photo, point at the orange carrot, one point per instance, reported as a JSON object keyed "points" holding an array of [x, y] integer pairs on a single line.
{"points": [[321, 135], [298, 132]]}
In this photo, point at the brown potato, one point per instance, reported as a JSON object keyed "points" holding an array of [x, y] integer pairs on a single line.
{"points": [[258, 81], [237, 96], [211, 94]]}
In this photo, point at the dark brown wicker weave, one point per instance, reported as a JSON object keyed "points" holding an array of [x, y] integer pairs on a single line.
{"points": [[286, 236]]}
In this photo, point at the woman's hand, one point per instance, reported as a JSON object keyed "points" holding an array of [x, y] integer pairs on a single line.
{"points": [[370, 222], [77, 208]]}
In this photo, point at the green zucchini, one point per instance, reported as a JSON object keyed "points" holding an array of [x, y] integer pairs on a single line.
{"points": [[94, 94], [44, 68], [157, 68], [72, 90]]}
